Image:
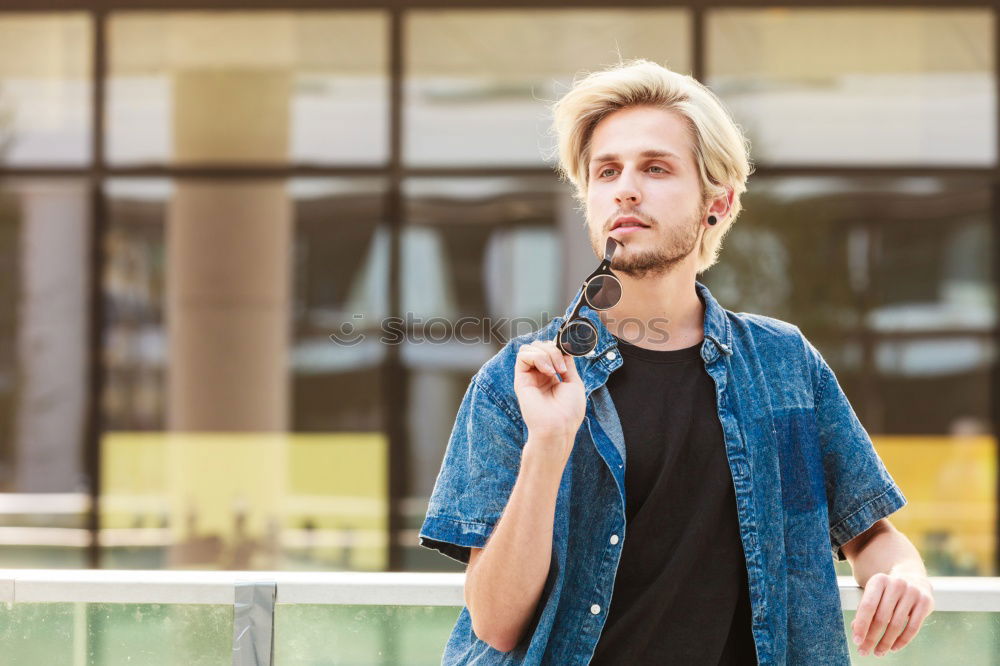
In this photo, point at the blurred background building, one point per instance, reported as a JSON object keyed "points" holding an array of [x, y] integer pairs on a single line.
{"points": [[194, 198]]}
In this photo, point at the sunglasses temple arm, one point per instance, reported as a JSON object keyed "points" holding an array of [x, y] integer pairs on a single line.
{"points": [[609, 249]]}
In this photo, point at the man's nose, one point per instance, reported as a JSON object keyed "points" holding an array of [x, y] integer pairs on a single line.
{"points": [[628, 197], [627, 191]]}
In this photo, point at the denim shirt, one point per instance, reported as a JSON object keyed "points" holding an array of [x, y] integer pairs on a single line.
{"points": [[806, 477]]}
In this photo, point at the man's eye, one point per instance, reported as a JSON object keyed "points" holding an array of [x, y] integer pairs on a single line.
{"points": [[658, 167], [605, 171]]}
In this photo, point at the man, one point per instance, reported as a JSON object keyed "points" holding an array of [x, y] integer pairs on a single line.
{"points": [[678, 495]]}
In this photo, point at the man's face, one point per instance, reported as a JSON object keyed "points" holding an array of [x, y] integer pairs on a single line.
{"points": [[642, 165]]}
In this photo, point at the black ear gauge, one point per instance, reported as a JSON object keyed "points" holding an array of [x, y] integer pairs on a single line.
{"points": [[712, 219]]}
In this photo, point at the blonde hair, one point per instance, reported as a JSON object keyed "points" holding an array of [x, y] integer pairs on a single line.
{"points": [[721, 151]]}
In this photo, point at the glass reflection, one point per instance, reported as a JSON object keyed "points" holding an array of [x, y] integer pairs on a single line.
{"points": [[832, 253], [45, 88], [933, 260], [950, 481], [476, 247], [858, 86], [265, 87], [478, 81], [284, 467], [44, 240]]}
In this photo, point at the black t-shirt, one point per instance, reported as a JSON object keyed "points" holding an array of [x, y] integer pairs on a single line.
{"points": [[680, 594]]}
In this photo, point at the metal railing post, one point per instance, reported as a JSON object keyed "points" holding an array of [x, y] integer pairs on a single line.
{"points": [[253, 623]]}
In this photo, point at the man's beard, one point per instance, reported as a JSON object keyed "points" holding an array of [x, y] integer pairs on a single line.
{"points": [[659, 260]]}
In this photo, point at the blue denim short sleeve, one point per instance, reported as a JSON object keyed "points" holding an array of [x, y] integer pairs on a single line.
{"points": [[477, 474], [859, 490]]}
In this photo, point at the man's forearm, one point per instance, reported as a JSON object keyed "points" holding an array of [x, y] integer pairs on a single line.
{"points": [[503, 589]]}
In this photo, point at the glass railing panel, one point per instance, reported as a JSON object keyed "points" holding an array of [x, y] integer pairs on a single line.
{"points": [[78, 634]]}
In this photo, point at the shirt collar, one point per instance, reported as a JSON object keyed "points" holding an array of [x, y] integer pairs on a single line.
{"points": [[718, 334]]}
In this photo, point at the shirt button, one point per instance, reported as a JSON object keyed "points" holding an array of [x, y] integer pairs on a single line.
{"points": [[614, 539], [611, 356], [595, 609]]}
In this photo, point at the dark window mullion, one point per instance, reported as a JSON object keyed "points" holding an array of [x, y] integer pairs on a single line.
{"points": [[96, 370], [995, 221], [300, 171], [394, 388]]}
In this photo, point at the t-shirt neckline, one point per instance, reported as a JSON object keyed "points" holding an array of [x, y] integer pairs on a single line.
{"points": [[658, 355]]}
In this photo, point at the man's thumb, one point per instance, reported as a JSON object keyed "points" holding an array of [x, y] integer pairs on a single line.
{"points": [[571, 374]]}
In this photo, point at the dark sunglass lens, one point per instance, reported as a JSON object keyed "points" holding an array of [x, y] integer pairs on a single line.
{"points": [[578, 338], [603, 292]]}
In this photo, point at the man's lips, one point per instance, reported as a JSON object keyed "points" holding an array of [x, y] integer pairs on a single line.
{"points": [[624, 226], [628, 222], [621, 232]]}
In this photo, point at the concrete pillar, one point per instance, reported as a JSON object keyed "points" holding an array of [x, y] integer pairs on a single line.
{"points": [[229, 246], [52, 339], [228, 315]]}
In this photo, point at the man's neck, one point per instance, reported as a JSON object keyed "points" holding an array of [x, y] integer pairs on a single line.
{"points": [[660, 312]]}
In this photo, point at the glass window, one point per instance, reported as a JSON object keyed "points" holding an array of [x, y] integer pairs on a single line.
{"points": [[858, 86], [262, 87], [933, 385], [44, 377], [433, 399], [846, 253], [793, 255], [340, 284], [950, 482], [478, 81], [45, 89], [239, 433], [482, 246], [932, 259]]}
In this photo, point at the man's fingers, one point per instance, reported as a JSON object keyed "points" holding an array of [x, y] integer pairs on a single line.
{"points": [[892, 590], [571, 374], [867, 607], [917, 616], [551, 354], [546, 357], [530, 356], [555, 356], [898, 621]]}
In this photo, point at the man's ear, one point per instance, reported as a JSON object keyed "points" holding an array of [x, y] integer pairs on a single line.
{"points": [[722, 204]]}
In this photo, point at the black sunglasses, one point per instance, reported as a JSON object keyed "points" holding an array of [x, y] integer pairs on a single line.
{"points": [[601, 290]]}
